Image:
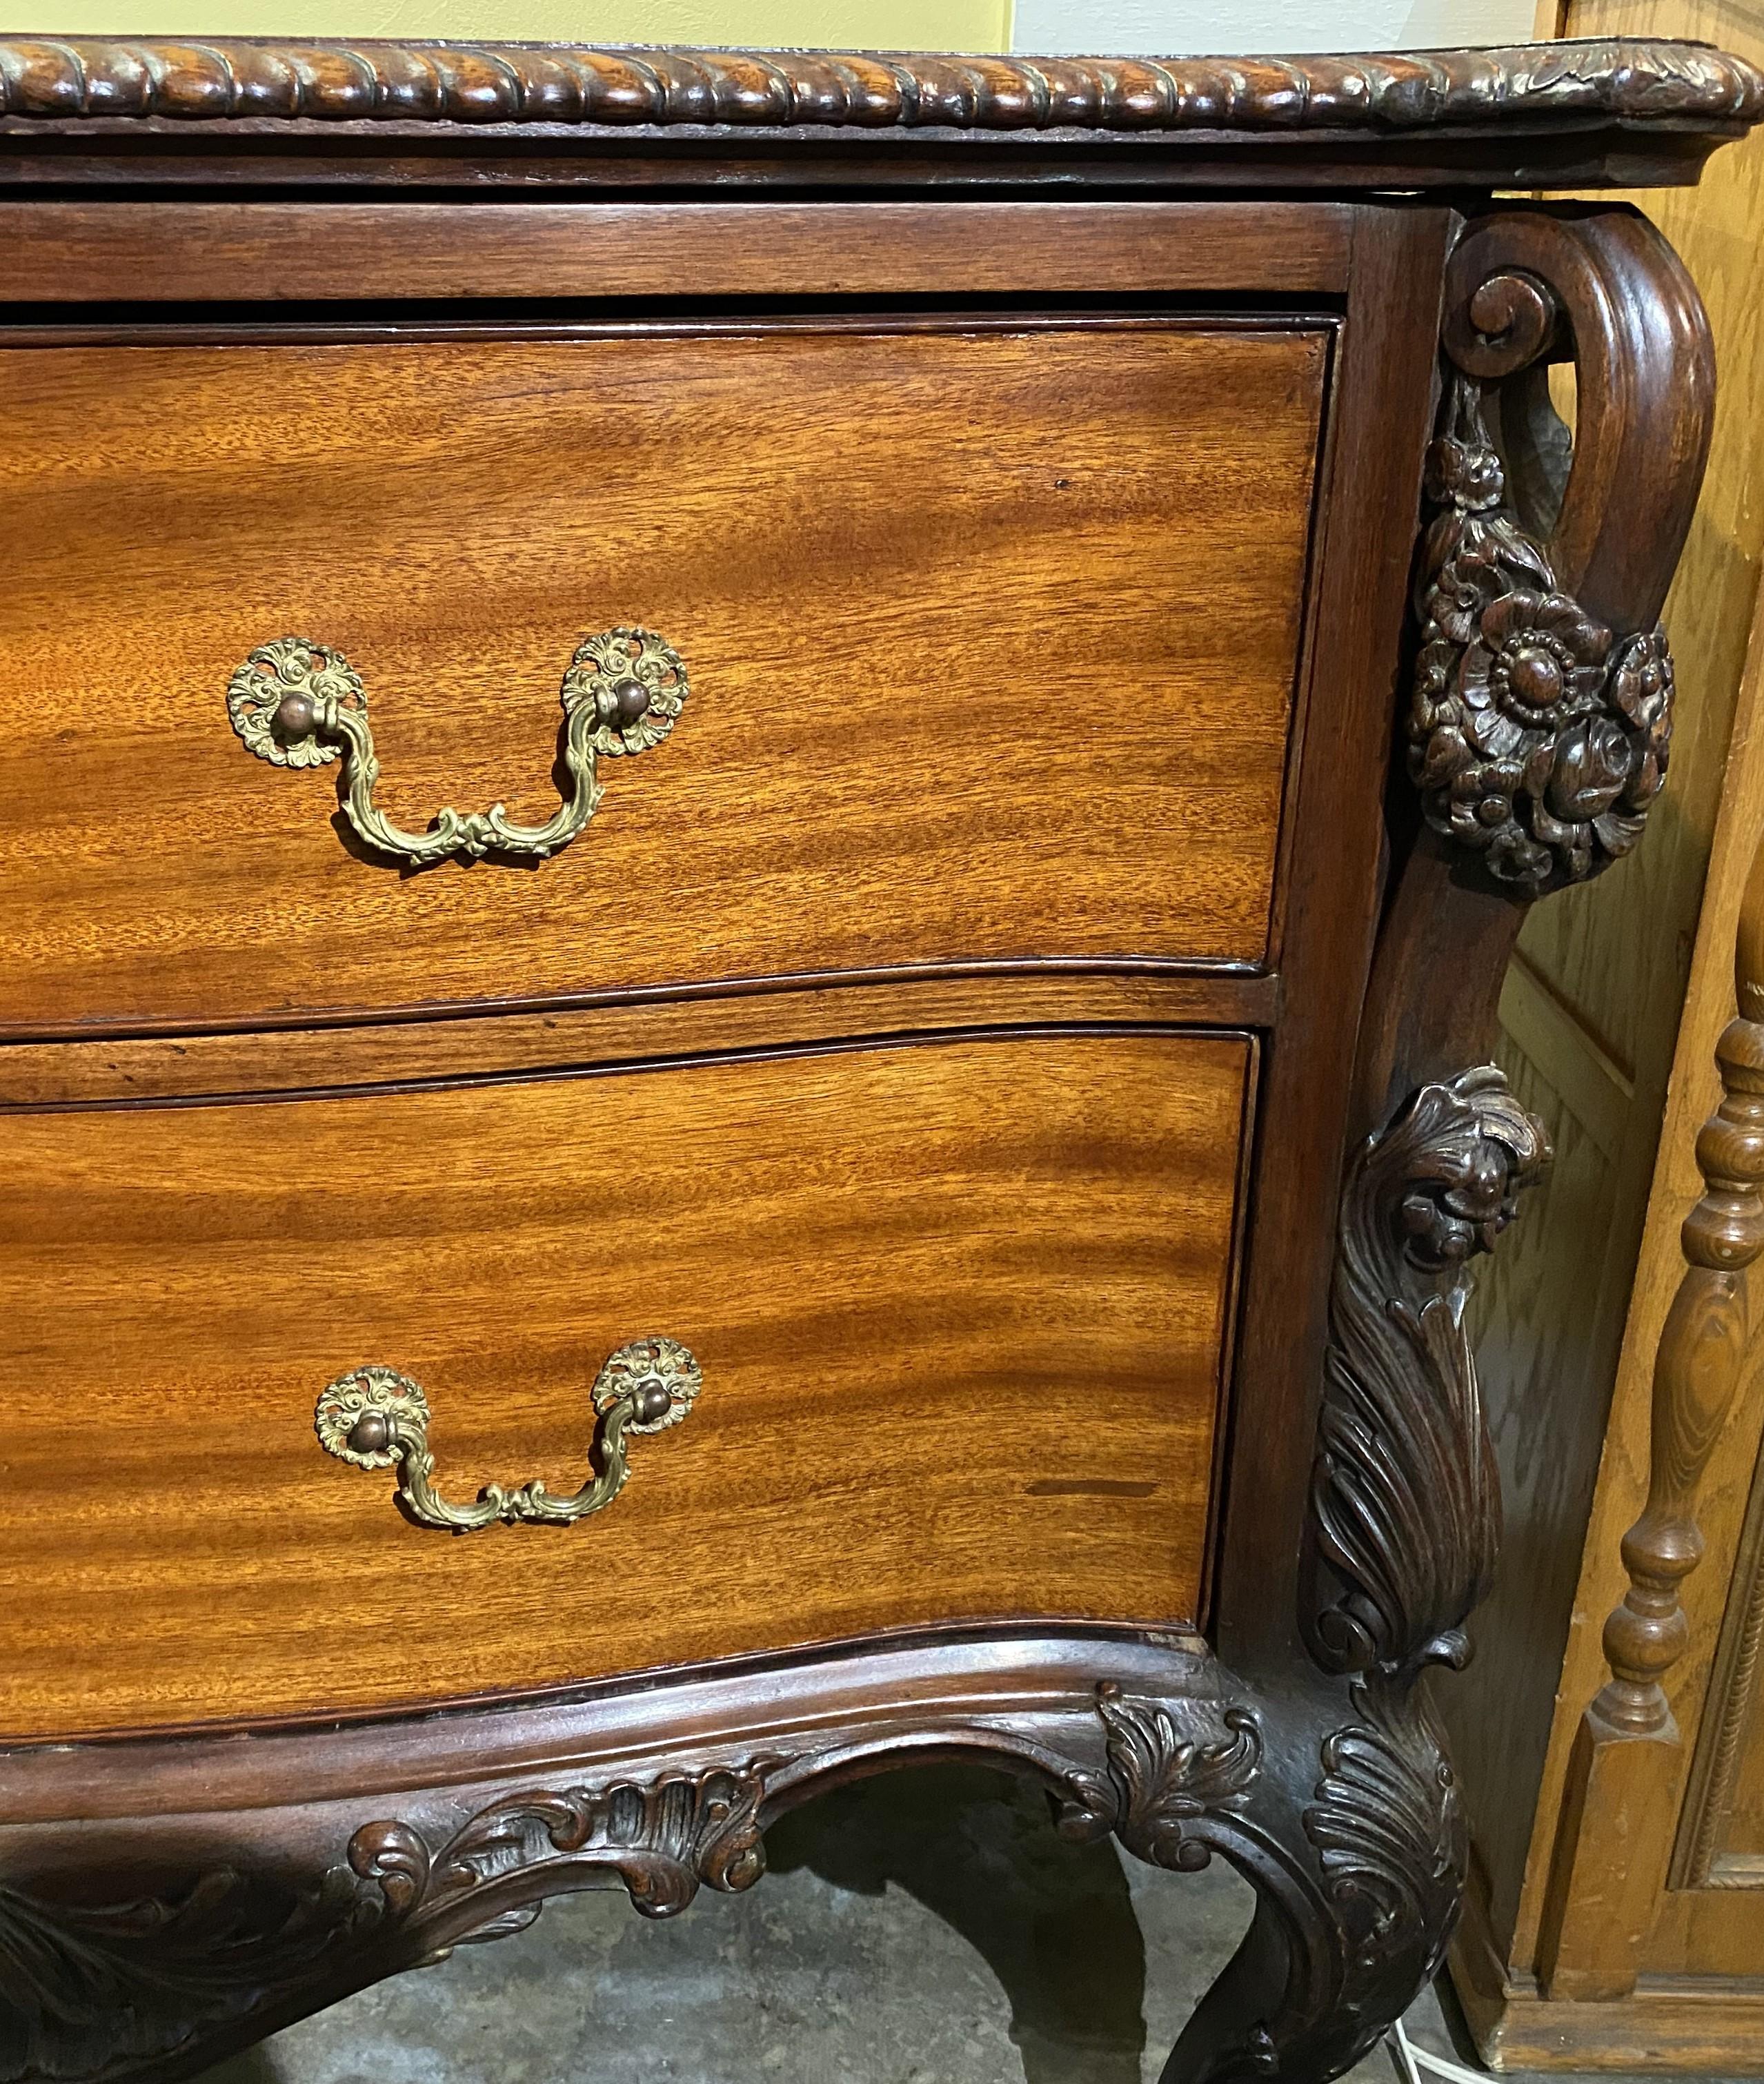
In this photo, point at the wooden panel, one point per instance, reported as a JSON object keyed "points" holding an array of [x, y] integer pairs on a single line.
{"points": [[959, 1308], [165, 252], [1020, 606], [1729, 1819]]}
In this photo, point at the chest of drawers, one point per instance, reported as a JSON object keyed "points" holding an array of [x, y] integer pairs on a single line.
{"points": [[906, 1192]]}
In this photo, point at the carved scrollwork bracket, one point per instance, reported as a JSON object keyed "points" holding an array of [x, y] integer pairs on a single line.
{"points": [[663, 1840], [1164, 1776], [1541, 714]]}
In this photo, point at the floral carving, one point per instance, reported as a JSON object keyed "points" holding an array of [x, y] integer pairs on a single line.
{"points": [[1538, 740]]}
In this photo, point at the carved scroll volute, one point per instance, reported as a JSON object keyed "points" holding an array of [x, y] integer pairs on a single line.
{"points": [[1543, 702]]}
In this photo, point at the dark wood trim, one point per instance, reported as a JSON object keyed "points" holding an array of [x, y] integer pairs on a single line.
{"points": [[1625, 112], [481, 1737], [494, 1073], [307, 253], [1371, 494], [1225, 993], [391, 324], [231, 79]]}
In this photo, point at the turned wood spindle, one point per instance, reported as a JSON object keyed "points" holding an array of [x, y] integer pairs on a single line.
{"points": [[1624, 1774], [1701, 1357]]}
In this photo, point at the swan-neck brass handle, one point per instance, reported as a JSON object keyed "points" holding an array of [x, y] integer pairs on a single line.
{"points": [[378, 1419], [299, 704]]}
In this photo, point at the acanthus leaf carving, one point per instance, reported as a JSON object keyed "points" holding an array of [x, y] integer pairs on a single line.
{"points": [[1404, 1496], [662, 1839], [1391, 1838], [89, 1993], [1163, 1773], [1386, 1819]]}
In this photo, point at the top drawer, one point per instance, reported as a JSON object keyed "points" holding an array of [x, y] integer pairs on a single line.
{"points": [[991, 630]]}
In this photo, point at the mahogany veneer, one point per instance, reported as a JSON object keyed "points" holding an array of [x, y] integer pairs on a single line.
{"points": [[924, 1153]]}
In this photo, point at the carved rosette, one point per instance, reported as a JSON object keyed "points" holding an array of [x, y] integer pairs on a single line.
{"points": [[1406, 1497], [1537, 740]]}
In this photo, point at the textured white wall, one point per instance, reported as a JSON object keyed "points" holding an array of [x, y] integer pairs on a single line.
{"points": [[1174, 26]]}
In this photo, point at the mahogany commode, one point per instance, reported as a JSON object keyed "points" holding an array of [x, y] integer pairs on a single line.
{"points": [[759, 816]]}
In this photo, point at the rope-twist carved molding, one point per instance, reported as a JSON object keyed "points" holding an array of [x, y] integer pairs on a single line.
{"points": [[229, 79]]}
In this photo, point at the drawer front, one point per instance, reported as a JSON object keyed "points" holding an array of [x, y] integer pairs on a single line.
{"points": [[990, 635], [959, 1306]]}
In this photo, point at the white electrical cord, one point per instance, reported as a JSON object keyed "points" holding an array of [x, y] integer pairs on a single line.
{"points": [[1411, 2061]]}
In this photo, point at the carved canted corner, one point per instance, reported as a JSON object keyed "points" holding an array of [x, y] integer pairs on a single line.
{"points": [[1355, 1843], [1540, 717]]}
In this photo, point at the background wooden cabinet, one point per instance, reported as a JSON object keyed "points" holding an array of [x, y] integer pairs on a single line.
{"points": [[1610, 1015]]}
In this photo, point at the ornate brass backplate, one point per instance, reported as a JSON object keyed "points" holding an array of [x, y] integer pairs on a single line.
{"points": [[378, 1419], [299, 704]]}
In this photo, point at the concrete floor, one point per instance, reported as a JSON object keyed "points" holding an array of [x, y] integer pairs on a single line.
{"points": [[926, 1928]]}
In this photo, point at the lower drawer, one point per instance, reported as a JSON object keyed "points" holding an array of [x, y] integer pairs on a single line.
{"points": [[959, 1306]]}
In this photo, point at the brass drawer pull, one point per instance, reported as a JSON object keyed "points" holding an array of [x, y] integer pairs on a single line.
{"points": [[377, 1418], [299, 704]]}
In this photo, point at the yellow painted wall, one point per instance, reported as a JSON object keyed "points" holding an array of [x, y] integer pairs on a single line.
{"points": [[972, 25]]}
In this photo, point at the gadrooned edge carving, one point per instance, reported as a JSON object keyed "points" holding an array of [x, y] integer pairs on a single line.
{"points": [[60, 79], [1405, 1495], [1538, 741]]}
